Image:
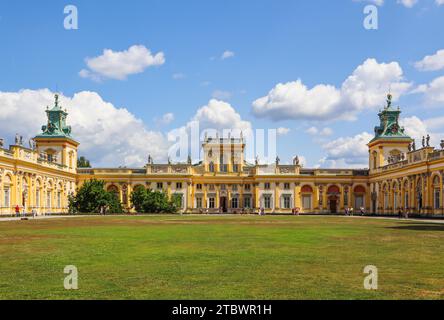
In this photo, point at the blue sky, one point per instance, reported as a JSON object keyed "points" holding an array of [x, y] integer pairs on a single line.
{"points": [[272, 42]]}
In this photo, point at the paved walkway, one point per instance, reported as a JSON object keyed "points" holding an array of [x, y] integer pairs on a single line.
{"points": [[418, 220], [46, 217]]}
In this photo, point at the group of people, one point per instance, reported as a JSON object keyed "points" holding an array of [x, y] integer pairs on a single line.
{"points": [[403, 213], [23, 213], [349, 211]]}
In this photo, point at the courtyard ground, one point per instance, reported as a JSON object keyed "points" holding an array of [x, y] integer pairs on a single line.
{"points": [[221, 257]]}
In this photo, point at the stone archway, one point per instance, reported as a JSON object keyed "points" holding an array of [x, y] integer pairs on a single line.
{"points": [[333, 193]]}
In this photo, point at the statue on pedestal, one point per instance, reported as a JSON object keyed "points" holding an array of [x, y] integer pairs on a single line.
{"points": [[428, 140]]}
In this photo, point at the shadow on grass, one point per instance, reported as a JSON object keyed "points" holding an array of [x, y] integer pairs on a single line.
{"points": [[420, 227]]}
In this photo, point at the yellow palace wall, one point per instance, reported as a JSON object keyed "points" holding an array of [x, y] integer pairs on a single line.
{"points": [[415, 185], [33, 183], [196, 183]]}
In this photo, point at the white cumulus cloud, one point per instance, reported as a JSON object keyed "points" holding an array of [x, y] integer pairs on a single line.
{"points": [[408, 3], [365, 88], [432, 62], [227, 54], [349, 152], [433, 92], [108, 135], [282, 131], [167, 118], [324, 132], [120, 64]]}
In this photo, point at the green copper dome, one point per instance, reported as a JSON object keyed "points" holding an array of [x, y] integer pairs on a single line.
{"points": [[56, 126], [389, 123]]}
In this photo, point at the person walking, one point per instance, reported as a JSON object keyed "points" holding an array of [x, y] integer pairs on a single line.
{"points": [[17, 211]]}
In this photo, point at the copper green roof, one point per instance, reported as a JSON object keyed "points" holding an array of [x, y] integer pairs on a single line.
{"points": [[56, 126], [389, 127]]}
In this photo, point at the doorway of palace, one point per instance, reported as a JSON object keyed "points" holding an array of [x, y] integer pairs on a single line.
{"points": [[333, 201], [223, 204]]}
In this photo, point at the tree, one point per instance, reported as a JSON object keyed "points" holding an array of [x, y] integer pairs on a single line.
{"points": [[82, 162], [137, 198], [92, 196], [148, 201]]}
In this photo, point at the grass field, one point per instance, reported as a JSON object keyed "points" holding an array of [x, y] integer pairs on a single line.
{"points": [[215, 257]]}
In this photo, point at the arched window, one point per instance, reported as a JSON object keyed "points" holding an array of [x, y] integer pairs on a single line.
{"points": [[406, 194], [211, 167], [333, 190], [7, 182], [113, 189], [395, 196]]}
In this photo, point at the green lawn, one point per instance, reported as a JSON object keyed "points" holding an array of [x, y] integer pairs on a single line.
{"points": [[221, 257]]}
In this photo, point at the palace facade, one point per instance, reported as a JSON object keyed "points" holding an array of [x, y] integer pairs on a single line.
{"points": [[41, 176]]}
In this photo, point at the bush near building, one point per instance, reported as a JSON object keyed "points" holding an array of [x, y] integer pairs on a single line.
{"points": [[149, 201], [91, 197]]}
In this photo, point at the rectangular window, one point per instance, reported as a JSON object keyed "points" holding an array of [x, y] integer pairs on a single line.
{"points": [[286, 186], [223, 187], [267, 202], [247, 187], [306, 202], [211, 203], [345, 198], [37, 198], [199, 186], [247, 202], [7, 197], [59, 199], [234, 187], [234, 203], [48, 199], [406, 200], [160, 185], [211, 187], [235, 168], [198, 203], [267, 185], [287, 202], [437, 198], [359, 202], [179, 185]]}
